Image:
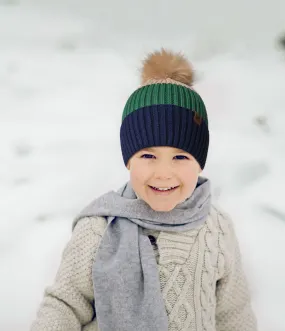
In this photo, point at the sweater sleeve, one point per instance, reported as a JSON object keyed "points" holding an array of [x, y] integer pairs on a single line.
{"points": [[68, 304], [233, 306]]}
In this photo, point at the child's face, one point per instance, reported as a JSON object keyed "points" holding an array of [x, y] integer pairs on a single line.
{"points": [[163, 167]]}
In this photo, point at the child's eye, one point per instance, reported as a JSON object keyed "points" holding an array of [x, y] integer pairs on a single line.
{"points": [[181, 157], [147, 156]]}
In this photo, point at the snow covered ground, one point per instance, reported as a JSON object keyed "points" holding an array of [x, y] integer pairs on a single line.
{"points": [[66, 69]]}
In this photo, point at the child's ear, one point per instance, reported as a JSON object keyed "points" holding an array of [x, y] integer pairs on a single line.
{"points": [[128, 165]]}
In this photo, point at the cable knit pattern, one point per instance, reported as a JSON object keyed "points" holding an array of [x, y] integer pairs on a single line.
{"points": [[202, 281]]}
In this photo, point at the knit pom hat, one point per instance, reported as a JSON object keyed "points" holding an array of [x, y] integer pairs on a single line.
{"points": [[165, 110]]}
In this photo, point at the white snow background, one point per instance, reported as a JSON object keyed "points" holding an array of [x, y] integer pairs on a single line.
{"points": [[66, 70]]}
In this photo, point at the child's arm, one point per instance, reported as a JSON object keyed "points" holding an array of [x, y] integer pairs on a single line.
{"points": [[233, 310], [68, 304]]}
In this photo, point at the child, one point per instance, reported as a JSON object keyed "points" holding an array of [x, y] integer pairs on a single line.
{"points": [[156, 255]]}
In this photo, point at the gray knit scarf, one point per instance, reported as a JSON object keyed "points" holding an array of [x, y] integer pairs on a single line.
{"points": [[125, 274]]}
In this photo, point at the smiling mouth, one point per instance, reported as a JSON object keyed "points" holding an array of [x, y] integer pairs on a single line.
{"points": [[163, 189]]}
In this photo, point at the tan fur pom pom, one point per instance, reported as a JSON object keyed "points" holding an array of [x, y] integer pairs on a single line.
{"points": [[165, 64]]}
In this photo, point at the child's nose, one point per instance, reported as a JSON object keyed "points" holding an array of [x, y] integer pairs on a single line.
{"points": [[163, 171]]}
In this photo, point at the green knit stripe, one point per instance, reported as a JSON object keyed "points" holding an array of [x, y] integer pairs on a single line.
{"points": [[165, 94]]}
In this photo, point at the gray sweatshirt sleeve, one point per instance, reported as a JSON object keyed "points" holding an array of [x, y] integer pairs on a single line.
{"points": [[68, 305], [233, 309]]}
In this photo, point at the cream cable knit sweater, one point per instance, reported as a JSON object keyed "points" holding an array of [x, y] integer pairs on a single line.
{"points": [[201, 276]]}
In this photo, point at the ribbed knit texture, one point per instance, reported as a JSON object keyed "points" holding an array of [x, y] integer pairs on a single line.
{"points": [[166, 94], [165, 114], [164, 125], [201, 276]]}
